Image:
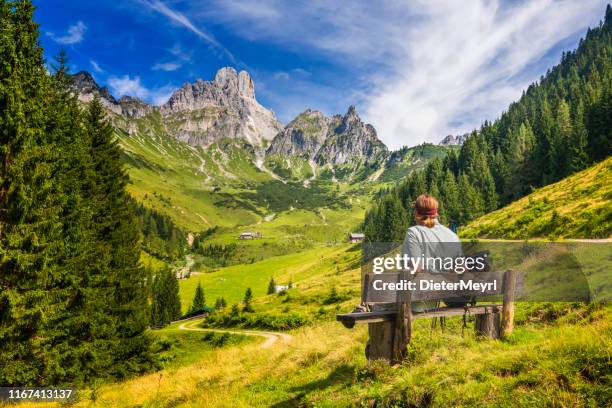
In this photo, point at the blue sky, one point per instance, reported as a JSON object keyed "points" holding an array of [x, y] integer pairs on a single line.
{"points": [[417, 70]]}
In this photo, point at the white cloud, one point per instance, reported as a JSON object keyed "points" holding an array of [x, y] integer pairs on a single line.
{"points": [[73, 36], [178, 51], [126, 85], [182, 20], [425, 68], [281, 76], [180, 55], [166, 66], [96, 67]]}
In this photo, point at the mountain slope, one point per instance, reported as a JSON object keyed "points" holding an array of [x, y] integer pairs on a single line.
{"points": [[201, 158], [575, 207]]}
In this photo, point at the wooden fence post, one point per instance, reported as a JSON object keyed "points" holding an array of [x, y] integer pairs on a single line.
{"points": [[380, 341], [509, 287], [487, 324], [403, 323]]}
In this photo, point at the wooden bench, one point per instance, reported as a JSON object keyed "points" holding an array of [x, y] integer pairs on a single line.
{"points": [[390, 331]]}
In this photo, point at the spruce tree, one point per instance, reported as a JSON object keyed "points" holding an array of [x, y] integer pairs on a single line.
{"points": [[199, 301], [220, 303], [166, 303], [246, 301], [271, 286], [451, 197], [394, 221], [578, 154], [30, 199], [562, 135], [117, 232], [80, 333]]}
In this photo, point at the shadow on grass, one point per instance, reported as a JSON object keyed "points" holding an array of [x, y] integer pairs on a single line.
{"points": [[343, 374]]}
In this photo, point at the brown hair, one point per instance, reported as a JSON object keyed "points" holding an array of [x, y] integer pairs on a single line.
{"points": [[426, 210]]}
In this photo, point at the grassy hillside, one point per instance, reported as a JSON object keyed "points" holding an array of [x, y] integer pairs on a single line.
{"points": [[575, 207], [558, 354], [548, 361], [313, 272], [223, 185]]}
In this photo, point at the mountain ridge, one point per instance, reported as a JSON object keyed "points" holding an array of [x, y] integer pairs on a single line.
{"points": [[206, 112]]}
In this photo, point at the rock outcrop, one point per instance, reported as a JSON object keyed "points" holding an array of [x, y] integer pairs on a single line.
{"points": [[87, 89], [134, 107], [454, 140], [332, 140], [303, 136], [198, 113], [351, 140], [205, 111]]}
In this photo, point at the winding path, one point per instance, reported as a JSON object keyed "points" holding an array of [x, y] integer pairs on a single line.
{"points": [[271, 337]]}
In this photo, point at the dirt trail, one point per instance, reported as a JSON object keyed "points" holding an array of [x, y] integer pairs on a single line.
{"points": [[271, 337]]}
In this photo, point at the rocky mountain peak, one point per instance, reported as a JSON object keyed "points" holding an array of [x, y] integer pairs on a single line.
{"points": [[303, 136], [454, 140], [352, 122], [233, 82], [134, 107], [332, 140], [226, 107], [85, 83]]}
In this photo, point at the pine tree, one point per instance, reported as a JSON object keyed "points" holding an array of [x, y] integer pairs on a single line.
{"points": [[246, 301], [562, 134], [579, 158], [271, 286], [542, 155], [166, 303], [199, 301], [30, 199], [393, 222], [80, 335], [450, 196], [117, 230], [472, 204], [220, 303]]}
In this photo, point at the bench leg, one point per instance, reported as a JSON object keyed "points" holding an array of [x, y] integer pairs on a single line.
{"points": [[488, 325], [380, 343]]}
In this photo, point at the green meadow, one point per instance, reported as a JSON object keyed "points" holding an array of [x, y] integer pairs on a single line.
{"points": [[575, 207]]}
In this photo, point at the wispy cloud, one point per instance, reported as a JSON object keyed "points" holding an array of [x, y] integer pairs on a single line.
{"points": [[73, 36], [166, 66], [281, 76], [182, 20], [96, 67], [178, 51], [425, 68], [180, 55], [126, 85]]}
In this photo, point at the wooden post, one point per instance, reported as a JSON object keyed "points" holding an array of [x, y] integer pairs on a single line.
{"points": [[487, 324], [403, 323], [509, 287], [380, 343]]}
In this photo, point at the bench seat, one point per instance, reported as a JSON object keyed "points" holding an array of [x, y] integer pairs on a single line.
{"points": [[350, 319]]}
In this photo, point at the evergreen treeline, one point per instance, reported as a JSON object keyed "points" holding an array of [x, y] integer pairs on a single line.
{"points": [[215, 251], [161, 237], [559, 126], [73, 297]]}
